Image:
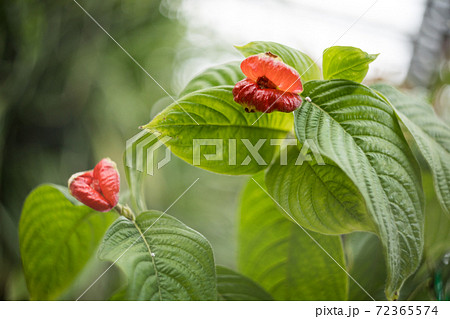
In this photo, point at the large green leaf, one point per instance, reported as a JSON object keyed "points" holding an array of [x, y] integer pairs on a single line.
{"points": [[225, 74], [233, 286], [431, 135], [320, 196], [347, 63], [162, 258], [304, 65], [218, 117], [281, 257], [356, 129], [57, 236]]}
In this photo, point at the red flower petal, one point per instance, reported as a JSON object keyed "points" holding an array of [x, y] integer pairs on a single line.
{"points": [[80, 186], [98, 188], [108, 177], [284, 77], [249, 94]]}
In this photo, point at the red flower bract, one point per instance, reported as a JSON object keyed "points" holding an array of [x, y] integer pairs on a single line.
{"points": [[271, 85], [249, 94], [97, 188]]}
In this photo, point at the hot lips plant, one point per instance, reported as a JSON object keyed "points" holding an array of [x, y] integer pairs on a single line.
{"points": [[334, 208], [97, 188], [271, 85]]}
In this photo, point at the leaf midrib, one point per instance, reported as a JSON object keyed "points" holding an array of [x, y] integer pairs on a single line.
{"points": [[346, 132], [387, 207], [144, 239], [348, 210], [219, 125]]}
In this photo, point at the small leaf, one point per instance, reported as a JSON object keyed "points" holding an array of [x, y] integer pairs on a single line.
{"points": [[162, 258], [233, 286], [357, 130], [225, 127], [431, 135], [57, 238], [225, 74], [281, 257], [304, 65], [347, 63]]}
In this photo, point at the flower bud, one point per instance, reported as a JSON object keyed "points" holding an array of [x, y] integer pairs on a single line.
{"points": [[97, 188]]}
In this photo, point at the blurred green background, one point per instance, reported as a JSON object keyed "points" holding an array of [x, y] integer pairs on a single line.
{"points": [[70, 96]]}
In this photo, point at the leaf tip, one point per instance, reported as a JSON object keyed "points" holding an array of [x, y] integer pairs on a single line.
{"points": [[372, 57], [239, 47], [146, 127]]}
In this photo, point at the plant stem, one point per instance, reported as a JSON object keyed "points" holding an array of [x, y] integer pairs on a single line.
{"points": [[125, 211]]}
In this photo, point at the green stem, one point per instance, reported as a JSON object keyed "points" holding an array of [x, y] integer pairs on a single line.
{"points": [[125, 211]]}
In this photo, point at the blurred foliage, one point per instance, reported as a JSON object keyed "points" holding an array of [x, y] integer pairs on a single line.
{"points": [[440, 93], [70, 96]]}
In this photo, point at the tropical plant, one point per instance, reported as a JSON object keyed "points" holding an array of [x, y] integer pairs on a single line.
{"points": [[334, 208]]}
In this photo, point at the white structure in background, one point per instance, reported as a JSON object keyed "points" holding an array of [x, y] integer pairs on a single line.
{"points": [[376, 26]]}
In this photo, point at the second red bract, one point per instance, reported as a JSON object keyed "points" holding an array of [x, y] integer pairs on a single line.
{"points": [[97, 188], [271, 85]]}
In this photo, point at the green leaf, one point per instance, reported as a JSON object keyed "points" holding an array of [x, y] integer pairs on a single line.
{"points": [[162, 258], [427, 281], [218, 117], [437, 224], [355, 128], [304, 65], [281, 257], [57, 236], [225, 74], [365, 263], [119, 295], [347, 63], [431, 135], [319, 195], [233, 286]]}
